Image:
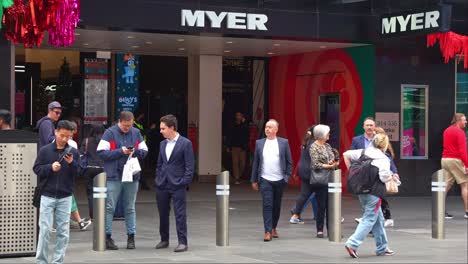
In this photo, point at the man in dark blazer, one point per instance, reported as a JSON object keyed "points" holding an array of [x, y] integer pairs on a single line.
{"points": [[174, 171], [271, 169], [364, 140]]}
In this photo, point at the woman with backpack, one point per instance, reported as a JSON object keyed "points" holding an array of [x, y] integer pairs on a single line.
{"points": [[372, 219]]}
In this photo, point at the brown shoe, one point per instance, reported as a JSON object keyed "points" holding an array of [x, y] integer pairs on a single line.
{"points": [[274, 233], [267, 237]]}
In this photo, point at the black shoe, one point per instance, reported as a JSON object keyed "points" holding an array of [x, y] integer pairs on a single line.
{"points": [[131, 242], [448, 216], [162, 244], [110, 245], [181, 248], [85, 223]]}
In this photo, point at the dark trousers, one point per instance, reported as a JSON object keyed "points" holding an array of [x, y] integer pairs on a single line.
{"points": [[178, 197], [386, 209], [89, 175], [321, 194], [272, 193]]}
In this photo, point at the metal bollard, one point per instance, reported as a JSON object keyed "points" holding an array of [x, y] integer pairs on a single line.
{"points": [[334, 207], [99, 212], [438, 204], [222, 209]]}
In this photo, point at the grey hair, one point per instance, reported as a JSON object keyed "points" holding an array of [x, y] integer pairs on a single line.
{"points": [[321, 131], [274, 121]]}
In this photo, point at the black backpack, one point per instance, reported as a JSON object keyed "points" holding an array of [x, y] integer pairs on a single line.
{"points": [[361, 175]]}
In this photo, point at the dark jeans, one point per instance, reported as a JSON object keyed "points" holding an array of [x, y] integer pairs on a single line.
{"points": [[386, 209], [89, 175], [321, 194], [272, 193], [178, 197]]}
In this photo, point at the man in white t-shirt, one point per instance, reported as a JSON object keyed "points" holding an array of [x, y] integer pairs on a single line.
{"points": [[271, 169]]}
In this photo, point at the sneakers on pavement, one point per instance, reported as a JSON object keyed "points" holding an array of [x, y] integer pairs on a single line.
{"points": [[351, 252], [466, 215], [387, 252], [294, 220], [85, 223], [448, 216], [357, 220], [237, 182], [389, 223]]}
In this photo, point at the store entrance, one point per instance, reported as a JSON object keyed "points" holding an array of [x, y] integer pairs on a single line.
{"points": [[329, 114]]}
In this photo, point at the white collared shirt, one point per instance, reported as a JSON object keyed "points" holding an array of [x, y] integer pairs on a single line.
{"points": [[170, 146]]}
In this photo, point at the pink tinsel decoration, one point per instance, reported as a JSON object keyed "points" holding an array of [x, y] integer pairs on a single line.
{"points": [[63, 19], [450, 44]]}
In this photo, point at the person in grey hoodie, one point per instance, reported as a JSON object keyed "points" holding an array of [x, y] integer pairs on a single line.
{"points": [[46, 125]]}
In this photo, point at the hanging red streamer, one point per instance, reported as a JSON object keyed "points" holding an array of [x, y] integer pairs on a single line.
{"points": [[450, 44], [25, 22]]}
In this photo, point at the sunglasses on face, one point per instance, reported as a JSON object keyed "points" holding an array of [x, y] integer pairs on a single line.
{"points": [[58, 112]]}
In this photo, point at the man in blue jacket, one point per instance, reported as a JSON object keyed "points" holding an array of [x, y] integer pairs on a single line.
{"points": [[116, 145], [46, 125], [271, 169], [364, 140], [174, 171], [56, 166]]}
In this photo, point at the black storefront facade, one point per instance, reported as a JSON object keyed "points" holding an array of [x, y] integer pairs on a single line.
{"points": [[399, 57]]}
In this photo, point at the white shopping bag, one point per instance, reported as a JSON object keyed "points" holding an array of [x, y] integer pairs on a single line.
{"points": [[131, 168]]}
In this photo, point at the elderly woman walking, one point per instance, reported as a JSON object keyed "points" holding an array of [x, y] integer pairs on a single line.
{"points": [[323, 160]]}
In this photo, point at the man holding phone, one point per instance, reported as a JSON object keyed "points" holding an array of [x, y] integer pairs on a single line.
{"points": [[116, 145], [57, 165]]}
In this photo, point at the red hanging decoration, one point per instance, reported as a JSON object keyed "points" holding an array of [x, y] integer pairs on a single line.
{"points": [[62, 18], [26, 22], [450, 44]]}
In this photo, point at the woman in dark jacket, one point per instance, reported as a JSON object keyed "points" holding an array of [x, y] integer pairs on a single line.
{"points": [[95, 164]]}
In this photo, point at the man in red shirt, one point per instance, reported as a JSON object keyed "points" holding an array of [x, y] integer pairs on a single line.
{"points": [[455, 158]]}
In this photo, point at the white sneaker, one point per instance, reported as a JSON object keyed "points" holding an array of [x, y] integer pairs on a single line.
{"points": [[389, 223], [357, 220]]}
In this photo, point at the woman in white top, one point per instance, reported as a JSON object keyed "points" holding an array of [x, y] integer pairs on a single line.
{"points": [[372, 219]]}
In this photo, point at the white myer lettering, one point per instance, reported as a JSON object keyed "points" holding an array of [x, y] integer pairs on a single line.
{"points": [[419, 21], [234, 20], [190, 19]]}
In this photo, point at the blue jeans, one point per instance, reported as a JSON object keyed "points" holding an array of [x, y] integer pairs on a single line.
{"points": [[129, 192], [60, 208], [372, 220], [313, 201]]}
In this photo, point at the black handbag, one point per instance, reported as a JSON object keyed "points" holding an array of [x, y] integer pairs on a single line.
{"points": [[320, 177], [38, 192]]}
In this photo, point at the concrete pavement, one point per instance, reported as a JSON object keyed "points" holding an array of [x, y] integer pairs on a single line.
{"points": [[410, 238]]}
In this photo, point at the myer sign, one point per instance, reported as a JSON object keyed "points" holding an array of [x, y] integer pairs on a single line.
{"points": [[233, 20], [437, 19]]}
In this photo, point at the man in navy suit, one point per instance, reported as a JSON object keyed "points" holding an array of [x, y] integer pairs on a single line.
{"points": [[271, 169], [364, 140], [174, 171]]}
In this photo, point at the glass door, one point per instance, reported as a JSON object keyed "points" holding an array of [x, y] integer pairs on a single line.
{"points": [[329, 114]]}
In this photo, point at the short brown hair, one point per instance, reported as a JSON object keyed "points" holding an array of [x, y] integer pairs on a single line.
{"points": [[368, 118], [170, 121], [126, 116], [456, 117]]}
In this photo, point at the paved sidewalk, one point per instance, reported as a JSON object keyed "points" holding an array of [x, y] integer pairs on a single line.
{"points": [[410, 238]]}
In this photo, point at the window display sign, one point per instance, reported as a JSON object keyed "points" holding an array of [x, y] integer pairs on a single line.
{"points": [[390, 122], [414, 104], [127, 83], [95, 90]]}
